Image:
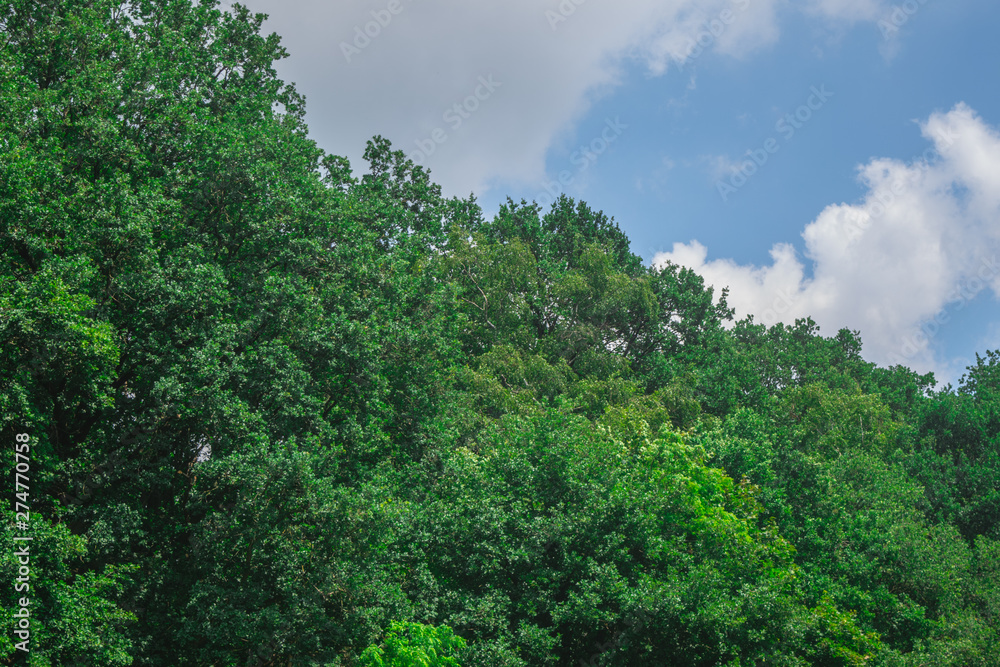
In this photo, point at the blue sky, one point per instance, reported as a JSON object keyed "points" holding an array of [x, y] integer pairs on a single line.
{"points": [[832, 158]]}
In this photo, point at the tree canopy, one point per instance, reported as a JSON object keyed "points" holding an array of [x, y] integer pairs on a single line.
{"points": [[281, 415]]}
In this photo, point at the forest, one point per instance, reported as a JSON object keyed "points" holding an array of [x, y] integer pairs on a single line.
{"points": [[279, 414]]}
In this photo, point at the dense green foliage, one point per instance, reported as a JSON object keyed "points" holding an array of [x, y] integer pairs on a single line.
{"points": [[283, 416], [415, 645]]}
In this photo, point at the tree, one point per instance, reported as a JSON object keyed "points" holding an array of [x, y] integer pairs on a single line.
{"points": [[281, 413], [415, 645]]}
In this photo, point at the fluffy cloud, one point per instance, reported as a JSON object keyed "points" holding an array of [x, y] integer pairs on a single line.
{"points": [[549, 60], [897, 265]]}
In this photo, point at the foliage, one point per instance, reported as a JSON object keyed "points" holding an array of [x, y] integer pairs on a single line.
{"points": [[286, 415], [414, 645], [76, 611]]}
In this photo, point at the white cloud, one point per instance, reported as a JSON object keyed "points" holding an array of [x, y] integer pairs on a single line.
{"points": [[689, 29], [890, 16], [896, 266], [429, 56]]}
